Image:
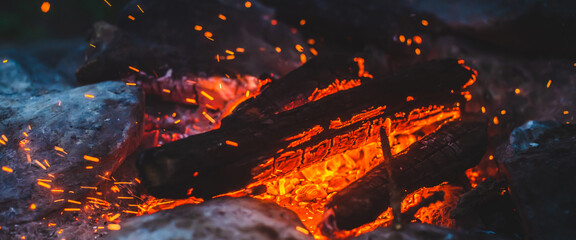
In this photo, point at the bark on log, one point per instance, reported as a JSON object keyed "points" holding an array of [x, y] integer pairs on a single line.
{"points": [[438, 157], [211, 165]]}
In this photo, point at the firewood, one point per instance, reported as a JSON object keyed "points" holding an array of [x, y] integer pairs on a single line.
{"points": [[438, 157], [245, 151]]}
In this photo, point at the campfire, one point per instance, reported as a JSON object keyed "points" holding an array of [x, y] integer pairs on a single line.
{"points": [[254, 112]]}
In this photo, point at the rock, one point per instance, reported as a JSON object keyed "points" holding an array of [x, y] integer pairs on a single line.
{"points": [[417, 231], [221, 218], [539, 165], [48, 141], [488, 207], [192, 37], [25, 76]]}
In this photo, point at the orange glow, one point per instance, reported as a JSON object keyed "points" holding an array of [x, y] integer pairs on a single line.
{"points": [[303, 58], [134, 69], [409, 41], [311, 41], [32, 206], [45, 7], [88, 96], [43, 184], [548, 84], [566, 112], [278, 49], [222, 17], [131, 17], [92, 159], [4, 137], [496, 121], [274, 22], [190, 100], [208, 34], [417, 51], [417, 39], [233, 144], [240, 50], [7, 169], [247, 4], [503, 112], [198, 28], [424, 22], [131, 84], [302, 22], [314, 52], [409, 98], [517, 91], [299, 48], [402, 38]]}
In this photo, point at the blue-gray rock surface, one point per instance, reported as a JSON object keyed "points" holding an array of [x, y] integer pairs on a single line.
{"points": [[47, 142]]}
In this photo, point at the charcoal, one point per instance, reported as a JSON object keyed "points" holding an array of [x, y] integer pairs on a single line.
{"points": [[539, 165], [222, 218], [48, 141]]}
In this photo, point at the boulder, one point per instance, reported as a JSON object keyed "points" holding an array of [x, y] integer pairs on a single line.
{"points": [[55, 145]]}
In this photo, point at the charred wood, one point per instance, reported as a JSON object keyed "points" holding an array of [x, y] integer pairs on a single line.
{"points": [[438, 157], [243, 152]]}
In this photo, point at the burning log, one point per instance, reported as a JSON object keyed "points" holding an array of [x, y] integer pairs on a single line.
{"points": [[244, 152], [438, 157]]}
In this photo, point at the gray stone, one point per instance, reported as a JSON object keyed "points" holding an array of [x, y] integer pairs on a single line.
{"points": [[541, 178], [56, 132], [25, 76], [221, 218]]}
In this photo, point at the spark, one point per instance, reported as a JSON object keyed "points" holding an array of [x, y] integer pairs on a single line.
{"points": [[59, 103], [132, 212], [566, 112], [126, 198], [75, 202], [311, 41], [59, 149], [302, 230], [417, 39], [177, 121], [207, 95], [208, 117], [131, 17], [222, 17], [517, 91], [274, 22], [424, 22], [229, 52], [33, 206], [72, 209], [139, 8], [134, 69], [4, 137], [302, 22], [51, 224], [230, 57], [122, 182], [2, 142], [7, 169], [166, 91], [231, 143], [46, 162], [45, 7], [303, 58], [86, 187], [28, 158], [208, 34], [503, 112], [247, 93], [409, 41], [548, 84], [240, 50], [57, 190], [59, 200], [5, 61], [417, 51], [483, 109], [278, 49], [89, 167], [90, 158], [496, 120], [137, 180], [108, 3], [88, 96], [299, 48], [195, 175], [402, 38], [198, 28], [40, 164], [409, 98], [25, 134], [190, 100], [44, 180], [43, 184], [131, 84], [92, 45], [247, 4]]}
